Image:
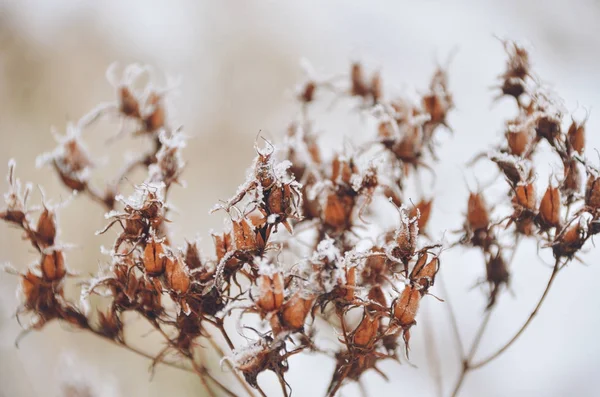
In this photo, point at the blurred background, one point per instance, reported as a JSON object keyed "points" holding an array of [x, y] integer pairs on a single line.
{"points": [[238, 63]]}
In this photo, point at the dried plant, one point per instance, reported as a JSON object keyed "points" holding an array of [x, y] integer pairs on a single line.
{"points": [[303, 247]]}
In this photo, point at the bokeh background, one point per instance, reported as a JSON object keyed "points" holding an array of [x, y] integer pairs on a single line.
{"points": [[238, 63]]}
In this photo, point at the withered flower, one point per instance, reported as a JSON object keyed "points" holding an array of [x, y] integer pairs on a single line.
{"points": [[53, 266], [576, 136], [154, 257], [592, 191], [477, 212], [549, 211]]}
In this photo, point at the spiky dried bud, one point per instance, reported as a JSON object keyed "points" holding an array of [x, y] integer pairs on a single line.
{"points": [[366, 332], [524, 198], [572, 182], [424, 272], [70, 160], [404, 308], [576, 135], [569, 241], [496, 275], [549, 211], [110, 324], [405, 237], [223, 244], [46, 228], [307, 93], [477, 213], [53, 266], [376, 295], [15, 200], [295, 310], [518, 141], [342, 170], [270, 290], [192, 256], [359, 86], [155, 117], [592, 192], [517, 69], [128, 102], [177, 274], [30, 288], [423, 208], [244, 236], [338, 211], [154, 257]]}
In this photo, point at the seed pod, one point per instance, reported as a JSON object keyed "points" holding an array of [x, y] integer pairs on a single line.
{"points": [[376, 295], [177, 275], [359, 87], [424, 209], [30, 288], [154, 258], [576, 136], [110, 324], [549, 128], [524, 197], [572, 178], [156, 119], [592, 192], [496, 275], [569, 242], [436, 107], [406, 239], [376, 88], [385, 130], [338, 211], [192, 256], [295, 310], [244, 236], [128, 103], [365, 333], [477, 213], [424, 272], [71, 165], [549, 212], [518, 141], [270, 292], [405, 308], [526, 224], [342, 170], [223, 244], [46, 228], [307, 93], [53, 266], [275, 201]]}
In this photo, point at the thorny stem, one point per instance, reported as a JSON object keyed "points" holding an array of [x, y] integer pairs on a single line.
{"points": [[468, 366]]}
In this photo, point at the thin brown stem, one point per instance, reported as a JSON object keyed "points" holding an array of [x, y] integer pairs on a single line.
{"points": [[468, 366], [453, 321], [525, 325], [140, 352], [198, 368]]}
